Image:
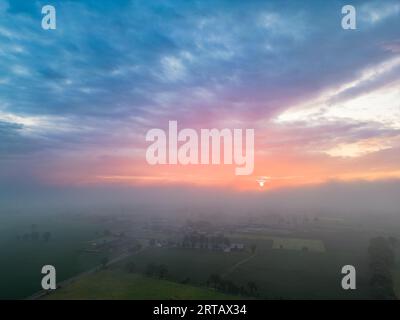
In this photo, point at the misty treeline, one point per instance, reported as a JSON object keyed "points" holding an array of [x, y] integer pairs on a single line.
{"points": [[382, 262], [194, 239], [156, 270], [214, 281], [35, 235], [228, 286]]}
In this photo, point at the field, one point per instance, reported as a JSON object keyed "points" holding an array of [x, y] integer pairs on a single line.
{"points": [[281, 267], [289, 274], [197, 265], [124, 286], [315, 273], [285, 243], [298, 244], [21, 260], [298, 275]]}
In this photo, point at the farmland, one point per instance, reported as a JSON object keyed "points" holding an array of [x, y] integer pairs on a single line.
{"points": [[114, 284], [279, 263], [188, 264], [289, 274], [21, 260]]}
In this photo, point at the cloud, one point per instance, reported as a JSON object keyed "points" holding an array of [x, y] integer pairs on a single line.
{"points": [[112, 69], [173, 68], [371, 97], [4, 6], [13, 142], [359, 148], [393, 46], [374, 12]]}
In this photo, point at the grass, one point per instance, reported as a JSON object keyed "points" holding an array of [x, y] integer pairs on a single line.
{"points": [[21, 261], [114, 284], [298, 244], [195, 264], [289, 274]]}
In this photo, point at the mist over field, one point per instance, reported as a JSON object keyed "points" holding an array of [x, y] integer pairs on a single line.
{"points": [[359, 198], [145, 235]]}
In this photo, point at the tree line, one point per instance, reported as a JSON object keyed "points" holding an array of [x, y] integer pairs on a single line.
{"points": [[201, 240], [381, 252], [227, 286], [35, 235]]}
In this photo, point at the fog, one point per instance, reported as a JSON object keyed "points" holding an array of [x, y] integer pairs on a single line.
{"points": [[333, 198]]}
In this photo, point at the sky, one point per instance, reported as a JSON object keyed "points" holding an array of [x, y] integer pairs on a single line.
{"points": [[76, 102]]}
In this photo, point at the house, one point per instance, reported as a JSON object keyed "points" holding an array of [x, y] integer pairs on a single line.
{"points": [[237, 246]]}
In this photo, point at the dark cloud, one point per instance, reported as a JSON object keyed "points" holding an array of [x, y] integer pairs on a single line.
{"points": [[12, 142]]}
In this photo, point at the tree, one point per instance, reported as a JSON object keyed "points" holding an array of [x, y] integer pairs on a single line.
{"points": [[214, 280], [162, 271], [46, 236], [131, 267], [382, 262], [104, 262], [393, 241], [230, 287], [381, 252], [35, 235], [251, 285], [185, 281], [227, 242], [150, 269], [202, 240]]}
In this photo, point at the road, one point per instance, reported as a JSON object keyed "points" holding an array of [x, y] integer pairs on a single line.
{"points": [[234, 267]]}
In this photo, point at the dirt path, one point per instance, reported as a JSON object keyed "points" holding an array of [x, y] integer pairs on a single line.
{"points": [[235, 266]]}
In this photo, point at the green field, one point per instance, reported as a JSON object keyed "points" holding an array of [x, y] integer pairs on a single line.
{"points": [[298, 244], [195, 264], [305, 274], [280, 267], [21, 260], [124, 286], [289, 274]]}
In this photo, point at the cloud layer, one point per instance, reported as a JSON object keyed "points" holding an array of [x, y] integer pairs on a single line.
{"points": [[76, 102]]}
